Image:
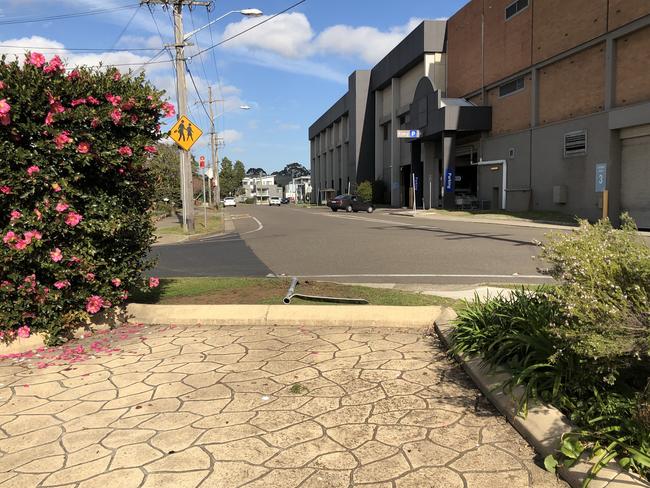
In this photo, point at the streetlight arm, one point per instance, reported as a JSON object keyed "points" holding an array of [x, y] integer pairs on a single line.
{"points": [[248, 12], [190, 34]]}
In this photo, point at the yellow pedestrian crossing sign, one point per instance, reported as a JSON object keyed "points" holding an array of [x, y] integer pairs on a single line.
{"points": [[185, 133]]}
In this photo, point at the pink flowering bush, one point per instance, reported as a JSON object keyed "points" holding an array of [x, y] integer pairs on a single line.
{"points": [[75, 194]]}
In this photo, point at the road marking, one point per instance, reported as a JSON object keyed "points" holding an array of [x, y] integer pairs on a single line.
{"points": [[487, 276], [259, 227]]}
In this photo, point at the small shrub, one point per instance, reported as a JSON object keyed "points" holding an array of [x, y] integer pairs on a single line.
{"points": [[364, 191], [250, 201]]}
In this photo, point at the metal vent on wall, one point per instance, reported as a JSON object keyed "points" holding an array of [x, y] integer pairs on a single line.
{"points": [[575, 144]]}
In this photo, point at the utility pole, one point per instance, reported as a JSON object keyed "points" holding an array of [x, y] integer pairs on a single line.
{"points": [[213, 150], [187, 190]]}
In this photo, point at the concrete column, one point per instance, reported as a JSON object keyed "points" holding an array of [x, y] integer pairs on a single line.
{"points": [[449, 170], [395, 173], [430, 175], [379, 137]]}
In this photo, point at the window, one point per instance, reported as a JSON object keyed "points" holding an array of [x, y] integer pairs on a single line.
{"points": [[515, 7], [385, 126], [512, 87], [575, 143]]}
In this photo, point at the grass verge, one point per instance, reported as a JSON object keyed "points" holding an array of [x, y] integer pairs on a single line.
{"points": [[271, 291], [215, 224], [537, 217]]}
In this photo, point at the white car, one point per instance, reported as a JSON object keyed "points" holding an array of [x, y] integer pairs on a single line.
{"points": [[229, 202], [275, 201]]}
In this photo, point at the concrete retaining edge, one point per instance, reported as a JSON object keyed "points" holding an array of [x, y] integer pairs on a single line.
{"points": [[288, 315], [544, 425]]}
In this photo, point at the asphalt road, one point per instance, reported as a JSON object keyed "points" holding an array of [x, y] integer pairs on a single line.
{"points": [[371, 248]]}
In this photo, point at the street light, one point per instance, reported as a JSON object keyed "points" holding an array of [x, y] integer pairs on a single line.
{"points": [[247, 12]]}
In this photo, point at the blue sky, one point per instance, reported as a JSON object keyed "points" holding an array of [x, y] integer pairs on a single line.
{"points": [[288, 71]]}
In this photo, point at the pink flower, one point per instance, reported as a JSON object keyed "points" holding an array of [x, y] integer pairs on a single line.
{"points": [[92, 100], [39, 215], [60, 285], [78, 101], [95, 123], [125, 151], [125, 295], [129, 105], [49, 118], [56, 255], [5, 119], [15, 215], [36, 59], [21, 244], [9, 237], [83, 148], [61, 207], [116, 116], [168, 109], [5, 189], [94, 304], [90, 277], [116, 76], [2, 85], [151, 149], [62, 139], [54, 65], [5, 108], [56, 187], [24, 331], [73, 219], [33, 234], [116, 282], [134, 119], [115, 100], [33, 169], [74, 75], [154, 282], [75, 260]]}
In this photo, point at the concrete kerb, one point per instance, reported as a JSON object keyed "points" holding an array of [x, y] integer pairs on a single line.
{"points": [[283, 315], [167, 240], [543, 427]]}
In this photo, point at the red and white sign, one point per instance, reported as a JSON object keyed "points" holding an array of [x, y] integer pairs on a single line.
{"points": [[202, 162]]}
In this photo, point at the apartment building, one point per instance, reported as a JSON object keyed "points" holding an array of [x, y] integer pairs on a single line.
{"points": [[261, 188], [517, 105]]}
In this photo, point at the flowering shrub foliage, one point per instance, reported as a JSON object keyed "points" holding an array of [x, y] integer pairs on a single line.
{"points": [[74, 192]]}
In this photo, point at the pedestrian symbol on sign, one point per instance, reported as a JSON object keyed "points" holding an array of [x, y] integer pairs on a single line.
{"points": [[185, 133]]}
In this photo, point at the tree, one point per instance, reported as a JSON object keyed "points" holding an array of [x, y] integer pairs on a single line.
{"points": [[364, 190], [226, 177], [255, 172], [293, 170], [239, 172], [165, 171], [75, 192]]}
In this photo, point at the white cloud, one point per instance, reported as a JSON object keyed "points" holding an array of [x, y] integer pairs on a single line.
{"points": [[230, 135], [288, 34], [288, 43], [368, 43]]}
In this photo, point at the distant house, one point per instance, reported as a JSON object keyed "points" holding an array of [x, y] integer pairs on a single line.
{"points": [[260, 188], [298, 189]]}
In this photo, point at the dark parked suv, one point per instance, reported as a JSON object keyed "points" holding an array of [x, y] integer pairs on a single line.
{"points": [[350, 203]]}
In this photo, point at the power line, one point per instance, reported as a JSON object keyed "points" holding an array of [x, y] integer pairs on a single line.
{"points": [[196, 90], [135, 12], [79, 49], [28, 20], [249, 28]]}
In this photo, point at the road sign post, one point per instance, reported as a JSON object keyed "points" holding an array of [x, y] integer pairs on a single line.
{"points": [[205, 207]]}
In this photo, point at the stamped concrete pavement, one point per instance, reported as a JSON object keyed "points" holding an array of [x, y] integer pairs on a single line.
{"points": [[198, 406]]}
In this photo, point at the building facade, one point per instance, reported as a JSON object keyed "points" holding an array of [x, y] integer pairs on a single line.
{"points": [[260, 188], [298, 189], [517, 105]]}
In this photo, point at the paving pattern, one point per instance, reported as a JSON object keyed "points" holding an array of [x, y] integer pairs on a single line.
{"points": [[209, 407]]}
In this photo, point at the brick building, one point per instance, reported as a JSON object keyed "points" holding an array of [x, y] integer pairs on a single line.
{"points": [[519, 105]]}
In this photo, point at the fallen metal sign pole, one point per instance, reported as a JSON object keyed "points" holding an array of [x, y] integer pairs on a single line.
{"points": [[291, 294]]}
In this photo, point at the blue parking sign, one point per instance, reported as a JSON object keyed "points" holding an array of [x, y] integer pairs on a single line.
{"points": [[450, 180]]}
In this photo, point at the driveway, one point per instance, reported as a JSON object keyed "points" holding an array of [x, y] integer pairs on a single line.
{"points": [[198, 406]]}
